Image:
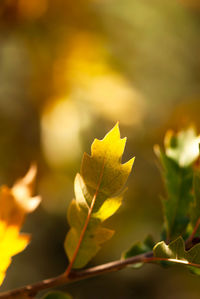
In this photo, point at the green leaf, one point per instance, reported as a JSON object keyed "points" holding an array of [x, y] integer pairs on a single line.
{"points": [[195, 207], [183, 147], [181, 150], [57, 295], [98, 195], [95, 235], [179, 184], [139, 248], [175, 253]]}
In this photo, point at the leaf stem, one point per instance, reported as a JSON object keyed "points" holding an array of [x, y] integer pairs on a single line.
{"points": [[191, 237], [86, 222]]}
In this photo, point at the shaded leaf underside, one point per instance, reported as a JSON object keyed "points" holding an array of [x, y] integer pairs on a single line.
{"points": [[139, 248], [179, 184]]}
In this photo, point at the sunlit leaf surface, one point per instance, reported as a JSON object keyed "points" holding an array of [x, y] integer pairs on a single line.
{"points": [[98, 196], [15, 203], [175, 253]]}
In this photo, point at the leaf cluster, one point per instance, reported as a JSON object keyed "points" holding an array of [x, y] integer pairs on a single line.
{"points": [[181, 206]]}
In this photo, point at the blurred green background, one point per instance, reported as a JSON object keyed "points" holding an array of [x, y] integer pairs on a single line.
{"points": [[68, 71]]}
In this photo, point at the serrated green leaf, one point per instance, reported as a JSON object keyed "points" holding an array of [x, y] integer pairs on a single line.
{"points": [[97, 196], [139, 248], [57, 295], [179, 184], [175, 253], [181, 151]]}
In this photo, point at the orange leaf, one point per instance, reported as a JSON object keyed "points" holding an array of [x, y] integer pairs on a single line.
{"points": [[15, 203]]}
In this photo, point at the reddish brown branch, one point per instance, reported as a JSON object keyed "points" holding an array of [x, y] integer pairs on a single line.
{"points": [[33, 289], [192, 236]]}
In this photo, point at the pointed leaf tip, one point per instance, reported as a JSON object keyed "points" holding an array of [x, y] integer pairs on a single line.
{"points": [[106, 155], [97, 197], [23, 190]]}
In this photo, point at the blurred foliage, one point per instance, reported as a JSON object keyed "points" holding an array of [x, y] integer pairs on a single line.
{"points": [[181, 151], [15, 203], [69, 71]]}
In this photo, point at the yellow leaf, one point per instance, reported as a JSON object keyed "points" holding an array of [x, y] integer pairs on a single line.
{"points": [[97, 197], [108, 208], [11, 243], [105, 161], [14, 204], [95, 235], [81, 191]]}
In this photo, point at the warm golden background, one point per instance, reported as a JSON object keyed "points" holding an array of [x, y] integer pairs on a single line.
{"points": [[68, 71]]}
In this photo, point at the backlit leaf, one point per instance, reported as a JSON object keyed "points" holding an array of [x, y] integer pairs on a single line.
{"points": [[104, 165], [181, 151], [98, 195], [108, 208], [15, 203], [23, 189], [175, 253]]}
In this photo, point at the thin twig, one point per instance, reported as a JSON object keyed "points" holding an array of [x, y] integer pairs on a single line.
{"points": [[191, 237], [33, 289]]}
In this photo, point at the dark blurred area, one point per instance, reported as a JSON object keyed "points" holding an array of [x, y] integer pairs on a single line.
{"points": [[69, 70]]}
